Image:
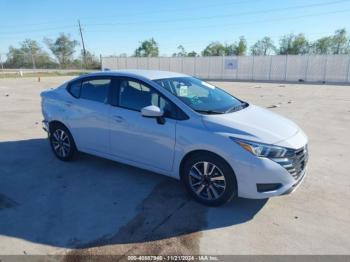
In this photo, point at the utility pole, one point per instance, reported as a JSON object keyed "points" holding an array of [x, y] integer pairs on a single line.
{"points": [[2, 66], [82, 41]]}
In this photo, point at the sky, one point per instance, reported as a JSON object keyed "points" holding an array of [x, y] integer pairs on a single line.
{"points": [[113, 27]]}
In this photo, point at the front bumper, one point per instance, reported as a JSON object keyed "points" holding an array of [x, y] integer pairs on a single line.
{"points": [[296, 185], [45, 125], [278, 176], [254, 174]]}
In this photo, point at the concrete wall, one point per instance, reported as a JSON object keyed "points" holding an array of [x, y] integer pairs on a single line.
{"points": [[309, 68]]}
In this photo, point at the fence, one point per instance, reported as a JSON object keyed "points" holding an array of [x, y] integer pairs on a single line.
{"points": [[308, 68], [44, 61]]}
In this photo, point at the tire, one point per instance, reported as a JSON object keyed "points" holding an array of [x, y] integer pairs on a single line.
{"points": [[62, 142], [213, 187]]}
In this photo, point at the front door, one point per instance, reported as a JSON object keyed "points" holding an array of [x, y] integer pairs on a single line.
{"points": [[136, 138]]}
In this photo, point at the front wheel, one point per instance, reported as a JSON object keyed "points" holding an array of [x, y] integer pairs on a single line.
{"points": [[62, 142], [209, 179]]}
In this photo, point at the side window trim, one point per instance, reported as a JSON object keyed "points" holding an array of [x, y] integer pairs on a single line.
{"points": [[114, 92]]}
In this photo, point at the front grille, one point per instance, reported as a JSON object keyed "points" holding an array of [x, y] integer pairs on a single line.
{"points": [[295, 161]]}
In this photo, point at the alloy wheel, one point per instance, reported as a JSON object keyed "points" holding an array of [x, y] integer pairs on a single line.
{"points": [[61, 143], [207, 180]]}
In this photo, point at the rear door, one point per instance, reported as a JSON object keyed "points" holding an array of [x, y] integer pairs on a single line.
{"points": [[89, 117]]}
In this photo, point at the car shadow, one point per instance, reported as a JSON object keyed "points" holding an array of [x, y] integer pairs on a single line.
{"points": [[92, 202]]}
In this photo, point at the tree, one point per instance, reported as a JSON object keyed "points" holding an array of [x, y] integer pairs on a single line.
{"points": [[16, 58], [182, 51], [322, 46], [293, 45], [214, 49], [218, 49], [340, 42], [192, 54], [63, 48], [28, 55], [30, 46], [264, 46], [148, 48], [237, 48], [92, 62], [241, 46], [231, 50]]}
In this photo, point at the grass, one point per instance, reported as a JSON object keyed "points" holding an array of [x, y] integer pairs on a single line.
{"points": [[41, 74]]}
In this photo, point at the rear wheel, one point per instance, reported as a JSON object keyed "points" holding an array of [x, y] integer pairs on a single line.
{"points": [[62, 142], [209, 179]]}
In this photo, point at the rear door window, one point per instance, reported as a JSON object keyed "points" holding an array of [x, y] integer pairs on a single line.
{"points": [[74, 89], [95, 89]]}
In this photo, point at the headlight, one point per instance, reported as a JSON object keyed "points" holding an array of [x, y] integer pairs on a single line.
{"points": [[262, 150]]}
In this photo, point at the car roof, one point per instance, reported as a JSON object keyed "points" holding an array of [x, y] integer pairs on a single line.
{"points": [[149, 74]]}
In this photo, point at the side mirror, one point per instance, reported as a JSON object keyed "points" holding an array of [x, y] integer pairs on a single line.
{"points": [[154, 112]]}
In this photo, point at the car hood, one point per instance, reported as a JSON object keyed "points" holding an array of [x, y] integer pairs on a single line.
{"points": [[252, 123]]}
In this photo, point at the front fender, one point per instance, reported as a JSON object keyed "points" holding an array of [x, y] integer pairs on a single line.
{"points": [[190, 138]]}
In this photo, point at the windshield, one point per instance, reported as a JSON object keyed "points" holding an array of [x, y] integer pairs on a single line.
{"points": [[201, 96]]}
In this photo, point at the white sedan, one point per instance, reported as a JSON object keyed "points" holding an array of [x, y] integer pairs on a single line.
{"points": [[179, 126]]}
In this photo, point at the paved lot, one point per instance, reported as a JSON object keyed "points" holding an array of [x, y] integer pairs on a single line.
{"points": [[96, 206]]}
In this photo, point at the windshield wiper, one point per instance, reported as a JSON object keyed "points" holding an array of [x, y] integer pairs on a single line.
{"points": [[209, 112], [237, 108]]}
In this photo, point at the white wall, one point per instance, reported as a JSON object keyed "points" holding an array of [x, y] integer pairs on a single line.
{"points": [[309, 68]]}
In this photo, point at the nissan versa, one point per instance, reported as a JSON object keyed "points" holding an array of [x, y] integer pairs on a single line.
{"points": [[220, 146]]}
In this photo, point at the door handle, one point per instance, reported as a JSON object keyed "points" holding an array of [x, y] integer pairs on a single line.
{"points": [[118, 119], [68, 103]]}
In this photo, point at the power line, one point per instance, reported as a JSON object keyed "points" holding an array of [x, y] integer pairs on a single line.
{"points": [[224, 15], [198, 7], [183, 19], [186, 44], [37, 35], [193, 43], [237, 24], [129, 14], [255, 22], [37, 30]]}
